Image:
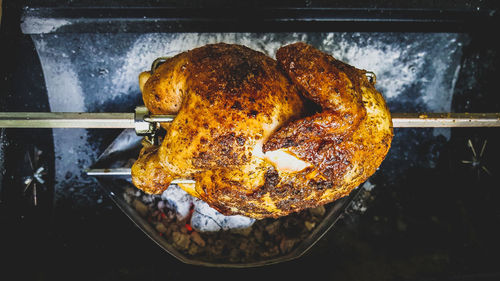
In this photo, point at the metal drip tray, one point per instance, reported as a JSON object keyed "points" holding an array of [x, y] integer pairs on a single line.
{"points": [[264, 242]]}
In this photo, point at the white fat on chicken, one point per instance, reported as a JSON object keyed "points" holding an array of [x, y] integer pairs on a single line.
{"points": [[282, 159], [285, 161]]}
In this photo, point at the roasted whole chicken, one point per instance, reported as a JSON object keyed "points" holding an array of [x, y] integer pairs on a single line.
{"points": [[263, 137]]}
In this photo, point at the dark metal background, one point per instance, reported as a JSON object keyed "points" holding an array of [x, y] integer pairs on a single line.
{"points": [[429, 216]]}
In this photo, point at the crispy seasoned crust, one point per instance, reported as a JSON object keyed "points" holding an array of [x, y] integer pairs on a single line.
{"points": [[148, 174], [236, 104], [231, 98], [234, 96], [330, 83], [321, 139], [161, 93]]}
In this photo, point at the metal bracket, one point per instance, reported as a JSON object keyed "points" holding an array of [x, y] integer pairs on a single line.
{"points": [[143, 127]]}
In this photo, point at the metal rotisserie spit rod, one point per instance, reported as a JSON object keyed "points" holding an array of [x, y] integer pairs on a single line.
{"points": [[132, 120], [146, 124]]}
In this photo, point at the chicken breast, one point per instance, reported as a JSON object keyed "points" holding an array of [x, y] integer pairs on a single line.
{"points": [[263, 138]]}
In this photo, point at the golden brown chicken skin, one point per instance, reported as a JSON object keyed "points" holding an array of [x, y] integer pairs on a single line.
{"points": [[245, 133]]}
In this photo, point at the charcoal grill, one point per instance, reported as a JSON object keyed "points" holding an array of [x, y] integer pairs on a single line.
{"points": [[65, 36]]}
